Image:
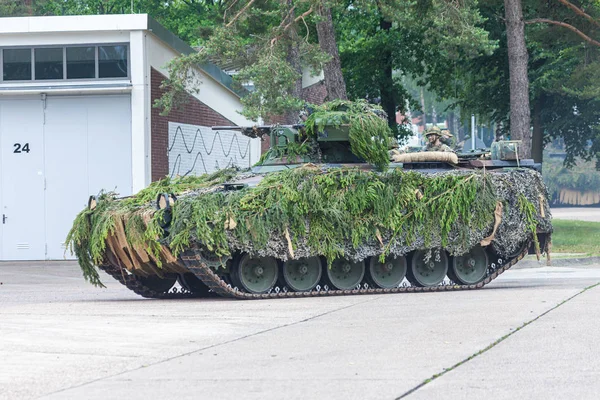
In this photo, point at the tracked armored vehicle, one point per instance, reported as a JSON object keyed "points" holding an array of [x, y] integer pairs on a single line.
{"points": [[325, 212]]}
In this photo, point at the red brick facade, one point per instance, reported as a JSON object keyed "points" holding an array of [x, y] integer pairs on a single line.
{"points": [[314, 94], [194, 112]]}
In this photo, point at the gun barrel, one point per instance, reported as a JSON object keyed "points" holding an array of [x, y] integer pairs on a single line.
{"points": [[263, 127], [230, 128]]}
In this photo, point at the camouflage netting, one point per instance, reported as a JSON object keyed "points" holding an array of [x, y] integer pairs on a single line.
{"points": [[311, 210]]}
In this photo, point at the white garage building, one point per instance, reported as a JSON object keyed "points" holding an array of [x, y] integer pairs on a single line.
{"points": [[76, 117]]}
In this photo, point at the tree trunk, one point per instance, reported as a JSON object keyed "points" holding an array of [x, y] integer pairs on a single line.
{"points": [[386, 81], [424, 118], [450, 123], [293, 57], [334, 80], [537, 141], [519, 81]]}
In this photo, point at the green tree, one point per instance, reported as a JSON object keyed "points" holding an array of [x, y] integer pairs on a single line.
{"points": [[12, 8], [383, 41], [269, 43], [519, 81], [565, 76], [563, 72]]}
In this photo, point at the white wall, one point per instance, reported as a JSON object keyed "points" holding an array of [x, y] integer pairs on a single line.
{"points": [[61, 38], [140, 110], [198, 150], [308, 79], [76, 23]]}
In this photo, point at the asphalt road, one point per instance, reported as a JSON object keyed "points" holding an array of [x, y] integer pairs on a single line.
{"points": [[591, 214], [532, 333]]}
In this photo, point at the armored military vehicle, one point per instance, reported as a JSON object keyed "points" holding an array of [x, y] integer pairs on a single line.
{"points": [[326, 211]]}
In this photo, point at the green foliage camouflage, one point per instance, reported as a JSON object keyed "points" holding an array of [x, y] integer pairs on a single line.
{"points": [[292, 152], [369, 132], [332, 212], [367, 128], [87, 238]]}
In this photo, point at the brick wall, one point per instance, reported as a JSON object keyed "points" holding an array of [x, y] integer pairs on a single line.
{"points": [[194, 112], [314, 94]]}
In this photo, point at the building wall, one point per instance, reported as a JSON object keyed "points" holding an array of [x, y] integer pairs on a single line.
{"points": [[194, 112], [308, 79], [212, 105], [315, 93], [140, 100], [198, 149]]}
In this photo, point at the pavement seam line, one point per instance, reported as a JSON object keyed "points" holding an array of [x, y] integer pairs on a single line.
{"points": [[493, 344], [211, 346]]}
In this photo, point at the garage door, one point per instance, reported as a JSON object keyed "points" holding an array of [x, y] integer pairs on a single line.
{"points": [[75, 146]]}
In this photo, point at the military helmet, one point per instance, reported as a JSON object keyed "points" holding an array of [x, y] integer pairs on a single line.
{"points": [[434, 130], [446, 132], [392, 143]]}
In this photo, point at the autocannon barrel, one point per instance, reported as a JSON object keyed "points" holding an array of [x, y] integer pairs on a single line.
{"points": [[262, 127]]}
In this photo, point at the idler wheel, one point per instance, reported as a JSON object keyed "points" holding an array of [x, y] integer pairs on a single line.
{"points": [[518, 251], [470, 268], [430, 273], [345, 274], [191, 283], [302, 275], [158, 284], [255, 274], [388, 274]]}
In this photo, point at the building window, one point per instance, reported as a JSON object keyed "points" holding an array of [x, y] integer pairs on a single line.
{"points": [[49, 63], [65, 63], [81, 62], [16, 64], [112, 61]]}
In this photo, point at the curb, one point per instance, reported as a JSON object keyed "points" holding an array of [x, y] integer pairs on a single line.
{"points": [[559, 262]]}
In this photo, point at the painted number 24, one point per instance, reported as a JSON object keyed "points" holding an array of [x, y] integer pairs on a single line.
{"points": [[21, 149]]}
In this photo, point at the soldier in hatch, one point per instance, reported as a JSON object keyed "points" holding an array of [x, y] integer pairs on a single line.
{"points": [[393, 149], [434, 144], [447, 138]]}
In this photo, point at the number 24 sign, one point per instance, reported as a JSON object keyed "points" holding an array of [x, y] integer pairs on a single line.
{"points": [[21, 148]]}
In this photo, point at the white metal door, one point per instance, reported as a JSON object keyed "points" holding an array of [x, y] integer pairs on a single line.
{"points": [[65, 136], [88, 148], [109, 144], [22, 192]]}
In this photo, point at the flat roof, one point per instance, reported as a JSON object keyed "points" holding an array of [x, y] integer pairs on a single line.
{"points": [[74, 23], [107, 23]]}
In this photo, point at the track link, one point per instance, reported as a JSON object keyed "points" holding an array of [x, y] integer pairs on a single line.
{"points": [[193, 261], [133, 283]]}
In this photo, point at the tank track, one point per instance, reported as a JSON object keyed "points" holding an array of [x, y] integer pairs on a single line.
{"points": [[192, 261], [132, 283]]}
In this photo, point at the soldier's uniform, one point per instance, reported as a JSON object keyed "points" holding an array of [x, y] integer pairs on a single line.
{"points": [[440, 147], [393, 149], [436, 147], [448, 139]]}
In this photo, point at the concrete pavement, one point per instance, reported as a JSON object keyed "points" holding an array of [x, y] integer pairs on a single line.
{"points": [[61, 338], [555, 357]]}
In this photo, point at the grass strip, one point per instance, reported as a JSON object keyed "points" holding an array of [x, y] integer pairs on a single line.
{"points": [[575, 237]]}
